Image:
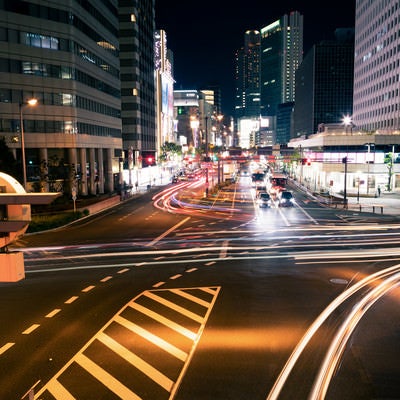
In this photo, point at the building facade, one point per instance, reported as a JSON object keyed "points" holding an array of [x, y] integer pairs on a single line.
{"points": [[377, 66], [247, 76], [324, 84], [281, 55], [138, 94], [164, 90], [64, 55], [343, 159]]}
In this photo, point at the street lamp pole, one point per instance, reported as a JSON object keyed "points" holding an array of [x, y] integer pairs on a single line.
{"points": [[21, 124], [31, 102], [344, 161]]}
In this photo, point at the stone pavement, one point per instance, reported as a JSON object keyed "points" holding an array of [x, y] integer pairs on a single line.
{"points": [[387, 204]]}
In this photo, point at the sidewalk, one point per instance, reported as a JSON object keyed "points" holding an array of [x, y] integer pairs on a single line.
{"points": [[387, 204]]}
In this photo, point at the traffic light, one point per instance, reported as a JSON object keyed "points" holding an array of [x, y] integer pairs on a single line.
{"points": [[344, 160], [148, 159]]}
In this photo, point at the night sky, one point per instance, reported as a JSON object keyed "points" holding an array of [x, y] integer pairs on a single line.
{"points": [[204, 35]]}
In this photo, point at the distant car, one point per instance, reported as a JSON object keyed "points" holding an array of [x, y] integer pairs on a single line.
{"points": [[264, 200], [286, 199]]}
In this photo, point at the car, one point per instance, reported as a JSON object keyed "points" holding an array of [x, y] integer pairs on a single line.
{"points": [[286, 199], [264, 200], [260, 189]]}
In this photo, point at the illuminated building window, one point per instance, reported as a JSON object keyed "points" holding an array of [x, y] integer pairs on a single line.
{"points": [[133, 18]]}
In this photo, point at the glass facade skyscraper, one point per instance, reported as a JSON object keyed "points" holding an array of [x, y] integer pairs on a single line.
{"points": [[376, 105], [281, 55], [65, 55]]}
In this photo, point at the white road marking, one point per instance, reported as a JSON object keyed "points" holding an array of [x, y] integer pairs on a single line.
{"points": [[53, 313], [30, 329], [161, 343], [174, 306], [71, 299], [88, 288], [136, 361], [4, 348]]}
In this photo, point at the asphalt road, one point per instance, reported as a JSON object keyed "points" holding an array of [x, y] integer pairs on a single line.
{"points": [[159, 299]]}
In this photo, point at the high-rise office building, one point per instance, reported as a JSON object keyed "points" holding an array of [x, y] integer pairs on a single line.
{"points": [[136, 38], [281, 54], [376, 104], [164, 90], [324, 84], [64, 55], [247, 76]]}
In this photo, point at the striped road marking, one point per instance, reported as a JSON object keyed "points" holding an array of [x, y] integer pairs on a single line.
{"points": [[142, 352]]}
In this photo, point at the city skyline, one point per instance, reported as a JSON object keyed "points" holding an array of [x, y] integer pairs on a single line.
{"points": [[203, 57]]}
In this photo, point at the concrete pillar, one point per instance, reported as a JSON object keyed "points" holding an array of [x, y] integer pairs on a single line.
{"points": [[109, 178], [84, 177], [72, 159], [92, 171], [100, 168]]}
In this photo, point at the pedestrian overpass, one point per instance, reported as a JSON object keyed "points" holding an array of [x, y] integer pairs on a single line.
{"points": [[15, 216]]}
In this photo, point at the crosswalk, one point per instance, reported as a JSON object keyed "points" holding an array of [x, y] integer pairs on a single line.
{"points": [[141, 353]]}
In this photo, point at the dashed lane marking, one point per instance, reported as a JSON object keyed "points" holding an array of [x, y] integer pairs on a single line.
{"points": [[30, 329], [7, 346]]}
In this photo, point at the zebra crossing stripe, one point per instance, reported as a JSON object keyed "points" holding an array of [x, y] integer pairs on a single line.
{"points": [[136, 361], [161, 343], [188, 296], [58, 391], [173, 306], [165, 321], [105, 378]]}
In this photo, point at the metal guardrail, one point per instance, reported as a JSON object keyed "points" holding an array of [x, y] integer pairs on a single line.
{"points": [[335, 202]]}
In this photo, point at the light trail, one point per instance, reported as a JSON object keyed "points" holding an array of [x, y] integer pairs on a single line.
{"points": [[301, 345], [338, 345]]}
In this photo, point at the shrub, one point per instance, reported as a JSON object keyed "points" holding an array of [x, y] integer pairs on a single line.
{"points": [[50, 221]]}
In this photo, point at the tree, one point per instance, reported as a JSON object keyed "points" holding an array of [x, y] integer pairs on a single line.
{"points": [[169, 151], [8, 164], [389, 164]]}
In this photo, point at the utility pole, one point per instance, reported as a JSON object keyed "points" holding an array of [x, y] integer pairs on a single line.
{"points": [[344, 161]]}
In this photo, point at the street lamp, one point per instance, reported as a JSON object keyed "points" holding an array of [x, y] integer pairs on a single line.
{"points": [[347, 121], [32, 103]]}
